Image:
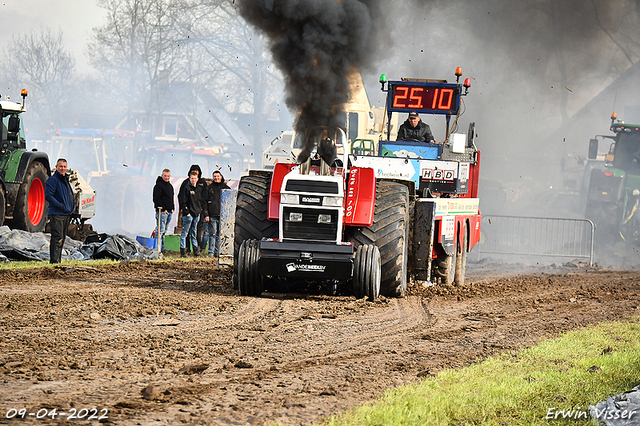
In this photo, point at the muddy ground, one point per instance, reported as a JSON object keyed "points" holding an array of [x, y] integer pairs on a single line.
{"points": [[174, 343]]}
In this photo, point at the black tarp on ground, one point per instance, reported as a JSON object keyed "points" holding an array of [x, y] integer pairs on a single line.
{"points": [[118, 247], [617, 410], [21, 245]]}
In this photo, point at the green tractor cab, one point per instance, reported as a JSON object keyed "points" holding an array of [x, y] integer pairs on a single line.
{"points": [[614, 192]]}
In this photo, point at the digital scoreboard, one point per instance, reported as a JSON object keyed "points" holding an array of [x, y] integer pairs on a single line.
{"points": [[423, 97]]}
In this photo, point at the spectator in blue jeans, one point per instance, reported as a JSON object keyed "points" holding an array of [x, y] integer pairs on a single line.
{"points": [[190, 200], [211, 214], [59, 195], [163, 203]]}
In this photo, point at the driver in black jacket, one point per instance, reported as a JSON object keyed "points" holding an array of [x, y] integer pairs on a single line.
{"points": [[414, 130]]}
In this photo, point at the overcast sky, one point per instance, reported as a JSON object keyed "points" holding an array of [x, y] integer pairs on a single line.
{"points": [[75, 18]]}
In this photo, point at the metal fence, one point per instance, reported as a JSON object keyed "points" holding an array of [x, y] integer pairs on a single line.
{"points": [[227, 222], [537, 236]]}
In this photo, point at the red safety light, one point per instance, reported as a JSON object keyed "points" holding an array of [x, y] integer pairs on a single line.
{"points": [[23, 93], [467, 83], [614, 115], [608, 174], [458, 71]]}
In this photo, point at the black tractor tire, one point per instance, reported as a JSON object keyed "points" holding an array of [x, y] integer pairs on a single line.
{"points": [[444, 268], [461, 259], [251, 221], [249, 279], [367, 272], [3, 205], [251, 210], [390, 233], [605, 217], [30, 211]]}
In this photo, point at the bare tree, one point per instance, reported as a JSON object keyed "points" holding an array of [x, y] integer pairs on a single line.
{"points": [[147, 45], [39, 62], [132, 47], [237, 66]]}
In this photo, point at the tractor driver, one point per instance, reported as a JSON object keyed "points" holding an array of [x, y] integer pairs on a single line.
{"points": [[415, 130]]}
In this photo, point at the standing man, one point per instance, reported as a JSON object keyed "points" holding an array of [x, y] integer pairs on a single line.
{"points": [[202, 187], [190, 202], [59, 195], [414, 130], [212, 214], [163, 203]]}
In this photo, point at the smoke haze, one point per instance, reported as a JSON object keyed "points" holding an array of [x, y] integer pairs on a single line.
{"points": [[546, 75], [317, 44], [542, 76]]}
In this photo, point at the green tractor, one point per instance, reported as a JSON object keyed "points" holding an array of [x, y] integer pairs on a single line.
{"points": [[22, 173], [614, 192]]}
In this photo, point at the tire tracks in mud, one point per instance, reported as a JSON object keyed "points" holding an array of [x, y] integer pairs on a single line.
{"points": [[317, 342], [214, 357]]}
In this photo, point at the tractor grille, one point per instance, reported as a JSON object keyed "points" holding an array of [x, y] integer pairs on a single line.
{"points": [[312, 186], [309, 229]]}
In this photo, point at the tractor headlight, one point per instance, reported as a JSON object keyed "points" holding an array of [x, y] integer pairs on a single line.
{"points": [[324, 218], [289, 199], [332, 201], [295, 217]]}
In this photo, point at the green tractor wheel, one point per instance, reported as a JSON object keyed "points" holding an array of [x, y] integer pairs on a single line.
{"points": [[30, 209]]}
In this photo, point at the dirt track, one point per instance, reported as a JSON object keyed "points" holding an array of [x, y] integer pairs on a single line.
{"points": [[172, 343]]}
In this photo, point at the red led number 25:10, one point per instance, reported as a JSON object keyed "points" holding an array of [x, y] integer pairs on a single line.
{"points": [[441, 99]]}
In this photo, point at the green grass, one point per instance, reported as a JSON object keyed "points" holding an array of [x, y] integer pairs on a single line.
{"points": [[518, 389], [87, 263], [40, 264]]}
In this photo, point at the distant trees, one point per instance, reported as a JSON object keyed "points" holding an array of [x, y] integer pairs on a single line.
{"points": [[146, 46], [39, 62]]}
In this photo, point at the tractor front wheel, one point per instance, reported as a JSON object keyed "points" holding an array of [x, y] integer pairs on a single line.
{"points": [[249, 279], [251, 220], [366, 272], [390, 233]]}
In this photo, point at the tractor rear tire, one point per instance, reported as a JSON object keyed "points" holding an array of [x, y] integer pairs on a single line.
{"points": [[3, 205], [249, 279], [605, 217], [366, 272], [390, 233], [251, 214], [461, 260], [30, 212]]}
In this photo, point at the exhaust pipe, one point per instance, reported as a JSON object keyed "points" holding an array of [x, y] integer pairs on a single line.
{"points": [[319, 141]]}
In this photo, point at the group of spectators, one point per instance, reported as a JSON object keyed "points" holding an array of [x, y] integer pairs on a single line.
{"points": [[199, 205]]}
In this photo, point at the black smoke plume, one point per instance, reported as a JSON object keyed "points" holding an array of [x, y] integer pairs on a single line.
{"points": [[317, 44]]}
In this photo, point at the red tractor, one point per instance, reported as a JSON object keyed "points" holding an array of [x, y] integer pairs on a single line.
{"points": [[365, 222]]}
